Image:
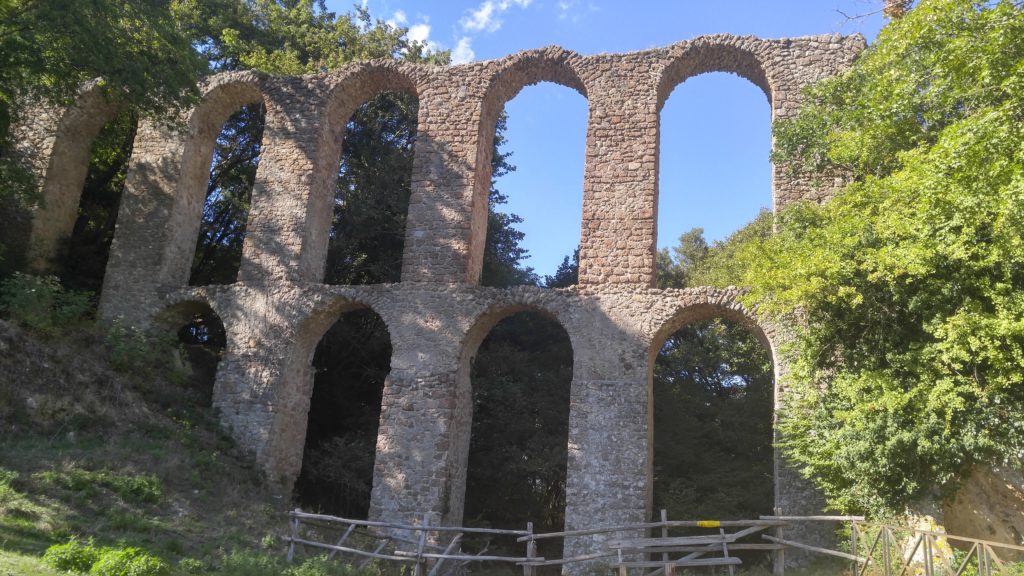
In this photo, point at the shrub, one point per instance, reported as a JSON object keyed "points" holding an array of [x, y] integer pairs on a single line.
{"points": [[191, 566], [135, 488], [136, 351], [72, 556], [42, 304], [142, 488], [251, 564], [129, 562]]}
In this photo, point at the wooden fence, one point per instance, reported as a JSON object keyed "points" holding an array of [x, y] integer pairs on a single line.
{"points": [[648, 549]]}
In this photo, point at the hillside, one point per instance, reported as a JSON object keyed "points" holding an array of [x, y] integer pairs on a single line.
{"points": [[124, 458]]}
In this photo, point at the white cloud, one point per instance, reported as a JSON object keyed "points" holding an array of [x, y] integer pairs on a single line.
{"points": [[398, 18], [574, 11], [419, 32], [485, 17], [566, 10], [463, 51]]}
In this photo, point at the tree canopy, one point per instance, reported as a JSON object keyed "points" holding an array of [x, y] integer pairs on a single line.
{"points": [[909, 354]]}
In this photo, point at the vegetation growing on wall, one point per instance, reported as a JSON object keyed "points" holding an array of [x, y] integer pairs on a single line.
{"points": [[909, 362]]}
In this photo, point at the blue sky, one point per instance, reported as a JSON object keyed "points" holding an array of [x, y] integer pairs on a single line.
{"points": [[716, 132]]}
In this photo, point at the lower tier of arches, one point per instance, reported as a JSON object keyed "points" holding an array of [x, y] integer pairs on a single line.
{"points": [[264, 385]]}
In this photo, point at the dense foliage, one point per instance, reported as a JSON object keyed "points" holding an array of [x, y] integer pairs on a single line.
{"points": [[49, 48], [909, 357]]}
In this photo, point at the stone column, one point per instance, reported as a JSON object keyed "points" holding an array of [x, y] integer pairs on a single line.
{"points": [[620, 177], [292, 199], [136, 274], [419, 466], [794, 494], [445, 230], [800, 63], [162, 204], [609, 421], [265, 380]]}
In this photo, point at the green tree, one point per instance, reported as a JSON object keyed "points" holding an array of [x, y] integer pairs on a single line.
{"points": [[907, 368], [49, 48], [503, 255], [567, 274]]}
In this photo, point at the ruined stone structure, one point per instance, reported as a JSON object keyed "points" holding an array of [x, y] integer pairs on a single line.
{"points": [[437, 315]]}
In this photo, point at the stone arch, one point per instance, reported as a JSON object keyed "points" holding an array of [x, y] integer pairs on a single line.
{"points": [[748, 57], [64, 171], [312, 328], [221, 97], [722, 306], [346, 93], [179, 312], [714, 304], [485, 321], [480, 326], [742, 56], [182, 306], [296, 388], [552, 64]]}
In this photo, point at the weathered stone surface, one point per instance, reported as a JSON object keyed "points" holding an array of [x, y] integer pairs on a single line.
{"points": [[437, 316]]}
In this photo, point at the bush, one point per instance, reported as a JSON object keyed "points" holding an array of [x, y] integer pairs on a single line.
{"points": [[135, 488], [72, 556], [191, 566], [137, 351], [251, 564], [142, 488], [129, 562], [42, 304]]}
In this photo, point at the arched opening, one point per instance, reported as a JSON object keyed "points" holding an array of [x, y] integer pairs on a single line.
{"points": [[235, 159], [536, 194], [496, 250], [520, 377], [82, 256], [351, 363], [201, 337], [371, 199], [715, 176], [712, 394]]}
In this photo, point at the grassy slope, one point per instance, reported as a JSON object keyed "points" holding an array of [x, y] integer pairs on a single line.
{"points": [[124, 460]]}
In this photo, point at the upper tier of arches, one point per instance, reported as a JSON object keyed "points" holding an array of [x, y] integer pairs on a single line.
{"points": [[458, 106]]}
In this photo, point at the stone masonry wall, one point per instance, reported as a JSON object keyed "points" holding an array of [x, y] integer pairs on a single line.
{"points": [[437, 315]]}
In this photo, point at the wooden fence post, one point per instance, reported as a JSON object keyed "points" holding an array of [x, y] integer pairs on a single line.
{"points": [[420, 568], [531, 552], [295, 534]]}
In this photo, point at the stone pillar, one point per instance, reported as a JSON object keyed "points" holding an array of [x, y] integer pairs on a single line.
{"points": [[292, 199], [794, 494], [801, 63], [420, 465], [446, 225], [609, 461], [162, 203], [620, 177], [136, 273], [265, 380]]}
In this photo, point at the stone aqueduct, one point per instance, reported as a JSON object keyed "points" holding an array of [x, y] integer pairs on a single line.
{"points": [[437, 315]]}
